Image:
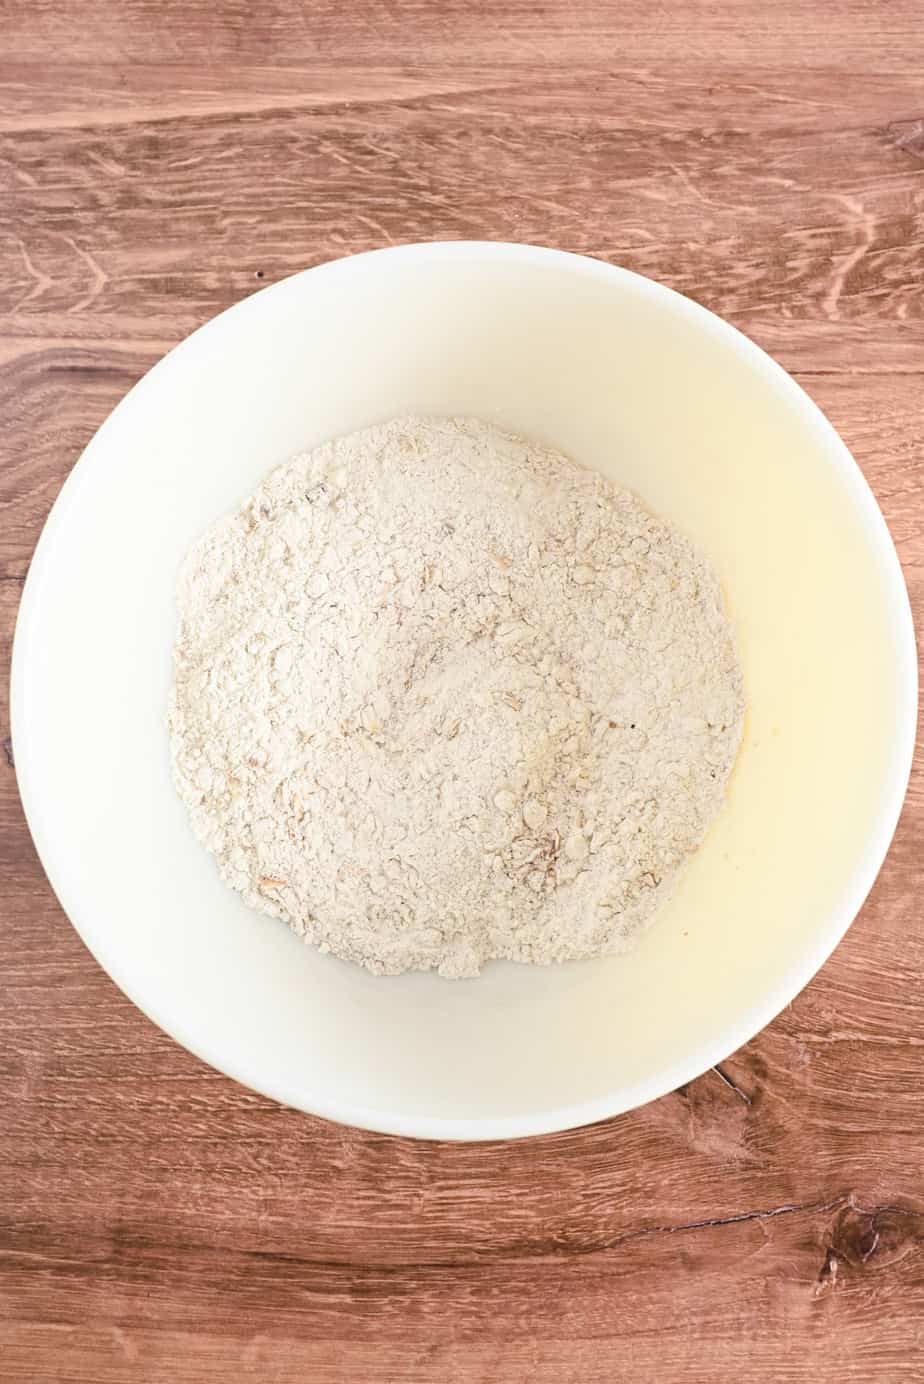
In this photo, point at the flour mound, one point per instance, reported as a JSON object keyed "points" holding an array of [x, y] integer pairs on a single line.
{"points": [[441, 695]]}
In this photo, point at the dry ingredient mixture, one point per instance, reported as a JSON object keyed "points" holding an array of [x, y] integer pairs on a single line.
{"points": [[442, 695]]}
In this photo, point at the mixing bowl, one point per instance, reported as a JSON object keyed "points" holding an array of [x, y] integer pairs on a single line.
{"points": [[626, 376]]}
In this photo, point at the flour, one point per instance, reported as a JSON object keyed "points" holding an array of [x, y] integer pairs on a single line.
{"points": [[441, 695]]}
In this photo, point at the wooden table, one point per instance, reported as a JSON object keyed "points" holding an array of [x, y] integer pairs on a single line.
{"points": [[160, 159]]}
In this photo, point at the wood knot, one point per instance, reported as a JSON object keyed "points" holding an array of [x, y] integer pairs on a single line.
{"points": [[856, 1236], [854, 1240], [861, 1235]]}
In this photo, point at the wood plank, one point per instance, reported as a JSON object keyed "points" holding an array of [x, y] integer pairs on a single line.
{"points": [[755, 95], [109, 225], [561, 1310], [852, 35]]}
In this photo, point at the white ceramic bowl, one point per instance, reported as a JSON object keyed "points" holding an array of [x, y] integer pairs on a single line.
{"points": [[625, 376]]}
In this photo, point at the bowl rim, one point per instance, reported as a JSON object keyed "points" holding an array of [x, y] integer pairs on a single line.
{"points": [[825, 937]]}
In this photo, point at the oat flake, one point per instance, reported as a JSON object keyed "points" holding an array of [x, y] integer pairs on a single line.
{"points": [[442, 695]]}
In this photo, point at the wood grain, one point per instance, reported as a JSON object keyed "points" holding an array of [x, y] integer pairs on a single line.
{"points": [[158, 161]]}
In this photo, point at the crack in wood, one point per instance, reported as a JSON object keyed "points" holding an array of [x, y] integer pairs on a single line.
{"points": [[844, 1202], [732, 1085]]}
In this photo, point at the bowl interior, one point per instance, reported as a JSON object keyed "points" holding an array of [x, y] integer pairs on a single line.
{"points": [[625, 377]]}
